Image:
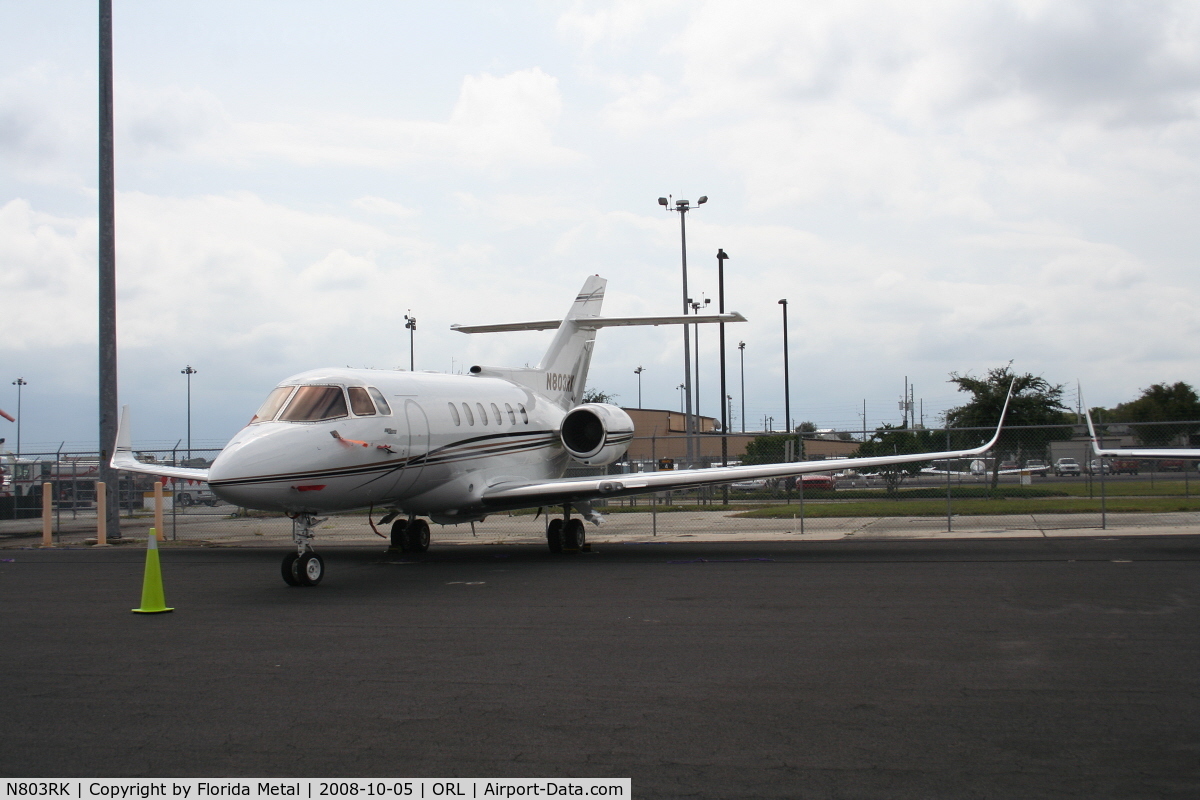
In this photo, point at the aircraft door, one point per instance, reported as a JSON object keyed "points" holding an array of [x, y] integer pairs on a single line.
{"points": [[418, 446]]}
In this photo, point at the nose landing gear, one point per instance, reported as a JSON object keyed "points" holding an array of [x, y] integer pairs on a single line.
{"points": [[303, 567]]}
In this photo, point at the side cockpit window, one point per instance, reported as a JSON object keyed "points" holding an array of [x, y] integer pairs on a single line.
{"points": [[360, 402], [315, 403], [380, 403], [275, 400]]}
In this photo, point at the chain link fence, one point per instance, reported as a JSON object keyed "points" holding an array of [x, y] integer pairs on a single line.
{"points": [[1036, 479]]}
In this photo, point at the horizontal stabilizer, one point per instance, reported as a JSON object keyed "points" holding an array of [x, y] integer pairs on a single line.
{"points": [[601, 322]]}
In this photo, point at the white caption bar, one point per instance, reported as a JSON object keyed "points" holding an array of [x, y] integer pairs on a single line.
{"points": [[314, 788]]}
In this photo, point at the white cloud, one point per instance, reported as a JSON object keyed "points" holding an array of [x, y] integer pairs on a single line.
{"points": [[497, 123], [48, 265]]}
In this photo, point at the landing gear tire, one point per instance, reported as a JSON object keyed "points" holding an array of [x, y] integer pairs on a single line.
{"points": [[288, 568], [573, 535], [310, 568], [554, 535], [417, 536], [399, 543]]}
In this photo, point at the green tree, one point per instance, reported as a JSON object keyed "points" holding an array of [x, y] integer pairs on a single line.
{"points": [[1160, 404], [599, 396], [892, 440], [1035, 402]]}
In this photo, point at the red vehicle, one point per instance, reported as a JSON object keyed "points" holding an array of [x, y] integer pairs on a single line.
{"points": [[813, 483], [819, 483]]}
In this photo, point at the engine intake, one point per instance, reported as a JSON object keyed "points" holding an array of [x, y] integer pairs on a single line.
{"points": [[596, 434]]}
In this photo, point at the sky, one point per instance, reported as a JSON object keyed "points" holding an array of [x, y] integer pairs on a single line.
{"points": [[935, 188]]}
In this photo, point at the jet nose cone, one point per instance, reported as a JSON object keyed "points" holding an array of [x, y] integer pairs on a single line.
{"points": [[242, 474]]}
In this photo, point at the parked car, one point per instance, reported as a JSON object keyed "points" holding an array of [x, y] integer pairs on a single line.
{"points": [[749, 486], [1095, 467], [1067, 466], [1172, 465], [196, 495], [1128, 466], [1037, 467], [820, 483]]}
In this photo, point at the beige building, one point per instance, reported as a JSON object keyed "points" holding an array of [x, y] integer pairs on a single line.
{"points": [[660, 434]]}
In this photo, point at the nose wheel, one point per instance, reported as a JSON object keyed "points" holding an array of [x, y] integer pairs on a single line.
{"points": [[303, 567], [303, 570]]}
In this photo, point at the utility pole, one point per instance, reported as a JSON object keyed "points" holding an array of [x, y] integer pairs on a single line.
{"points": [[787, 383], [19, 382], [742, 356], [725, 415], [696, 306]]}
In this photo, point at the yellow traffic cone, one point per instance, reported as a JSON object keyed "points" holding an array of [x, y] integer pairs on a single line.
{"points": [[153, 601]]}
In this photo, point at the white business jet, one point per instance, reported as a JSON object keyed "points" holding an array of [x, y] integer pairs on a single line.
{"points": [[452, 448]]}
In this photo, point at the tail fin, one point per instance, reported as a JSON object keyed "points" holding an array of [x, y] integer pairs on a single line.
{"points": [[565, 364], [563, 371]]}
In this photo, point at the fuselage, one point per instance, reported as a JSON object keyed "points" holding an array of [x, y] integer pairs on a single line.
{"points": [[422, 443]]}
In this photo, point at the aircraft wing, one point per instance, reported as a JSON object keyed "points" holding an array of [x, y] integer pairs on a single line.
{"points": [[1137, 452], [123, 457], [567, 490]]}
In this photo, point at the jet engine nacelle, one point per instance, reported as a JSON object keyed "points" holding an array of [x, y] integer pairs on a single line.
{"points": [[596, 434]]}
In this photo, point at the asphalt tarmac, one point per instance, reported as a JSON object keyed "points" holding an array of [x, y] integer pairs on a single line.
{"points": [[1001, 668]]}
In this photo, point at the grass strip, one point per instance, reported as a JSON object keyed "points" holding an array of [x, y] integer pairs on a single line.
{"points": [[933, 508]]}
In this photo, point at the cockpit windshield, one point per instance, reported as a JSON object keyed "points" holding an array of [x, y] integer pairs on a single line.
{"points": [[275, 400], [315, 403]]}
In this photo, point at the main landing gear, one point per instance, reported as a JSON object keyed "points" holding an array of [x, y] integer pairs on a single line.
{"points": [[409, 535], [566, 535], [303, 567]]}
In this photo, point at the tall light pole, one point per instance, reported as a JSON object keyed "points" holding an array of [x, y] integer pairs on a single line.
{"points": [[639, 372], [682, 206], [411, 324], [107, 278], [742, 356], [787, 384], [19, 382], [189, 371], [680, 387]]}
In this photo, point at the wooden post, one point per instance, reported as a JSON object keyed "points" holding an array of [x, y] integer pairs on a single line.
{"points": [[101, 514], [158, 509], [47, 515]]}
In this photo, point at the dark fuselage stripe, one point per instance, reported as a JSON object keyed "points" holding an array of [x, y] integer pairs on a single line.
{"points": [[465, 450]]}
